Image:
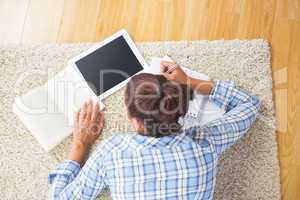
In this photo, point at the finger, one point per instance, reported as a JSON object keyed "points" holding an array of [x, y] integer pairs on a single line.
{"points": [[168, 76], [96, 128], [167, 63], [164, 66], [95, 112], [76, 115], [89, 110], [101, 120], [76, 118], [83, 113]]}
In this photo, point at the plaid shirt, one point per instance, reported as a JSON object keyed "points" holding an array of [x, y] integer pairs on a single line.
{"points": [[179, 166]]}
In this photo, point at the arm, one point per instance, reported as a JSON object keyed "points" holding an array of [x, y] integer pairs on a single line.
{"points": [[241, 109], [69, 181]]}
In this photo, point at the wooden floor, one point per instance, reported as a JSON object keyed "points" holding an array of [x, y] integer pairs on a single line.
{"points": [[278, 21]]}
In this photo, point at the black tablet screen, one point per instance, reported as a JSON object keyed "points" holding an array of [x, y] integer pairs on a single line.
{"points": [[109, 65]]}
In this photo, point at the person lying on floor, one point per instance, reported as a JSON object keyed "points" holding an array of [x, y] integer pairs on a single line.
{"points": [[160, 160]]}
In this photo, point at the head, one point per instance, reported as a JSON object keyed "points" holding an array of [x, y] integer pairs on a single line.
{"points": [[155, 104]]}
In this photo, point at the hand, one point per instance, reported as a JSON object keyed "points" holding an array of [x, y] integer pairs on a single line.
{"points": [[173, 72], [88, 125]]}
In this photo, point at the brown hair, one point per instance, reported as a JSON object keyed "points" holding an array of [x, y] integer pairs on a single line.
{"points": [[157, 102]]}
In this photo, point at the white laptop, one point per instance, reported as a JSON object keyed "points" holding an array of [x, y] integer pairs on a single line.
{"points": [[47, 111]]}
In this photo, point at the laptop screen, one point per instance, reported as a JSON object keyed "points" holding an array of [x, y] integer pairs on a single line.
{"points": [[109, 65]]}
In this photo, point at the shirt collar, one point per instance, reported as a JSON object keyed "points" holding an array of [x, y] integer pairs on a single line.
{"points": [[165, 141]]}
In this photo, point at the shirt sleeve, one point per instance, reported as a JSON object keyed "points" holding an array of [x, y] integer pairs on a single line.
{"points": [[69, 181], [241, 110]]}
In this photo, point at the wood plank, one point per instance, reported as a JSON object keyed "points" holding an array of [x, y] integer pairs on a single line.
{"points": [[42, 21], [280, 77], [79, 21], [289, 9], [289, 142], [281, 41], [12, 18], [195, 10], [281, 96]]}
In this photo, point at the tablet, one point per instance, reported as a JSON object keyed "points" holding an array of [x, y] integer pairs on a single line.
{"points": [[108, 66]]}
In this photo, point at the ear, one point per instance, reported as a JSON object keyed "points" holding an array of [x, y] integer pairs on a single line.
{"points": [[137, 124]]}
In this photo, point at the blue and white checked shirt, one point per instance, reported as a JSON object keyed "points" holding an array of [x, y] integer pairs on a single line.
{"points": [[179, 166]]}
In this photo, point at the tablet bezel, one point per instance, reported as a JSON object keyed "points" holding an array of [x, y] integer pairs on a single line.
{"points": [[132, 46]]}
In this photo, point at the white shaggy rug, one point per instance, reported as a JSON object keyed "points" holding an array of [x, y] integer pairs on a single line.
{"points": [[249, 170]]}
